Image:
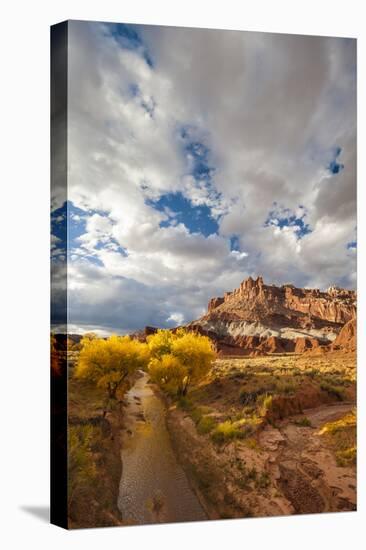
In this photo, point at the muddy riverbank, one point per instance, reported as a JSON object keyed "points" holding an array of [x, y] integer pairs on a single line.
{"points": [[289, 470]]}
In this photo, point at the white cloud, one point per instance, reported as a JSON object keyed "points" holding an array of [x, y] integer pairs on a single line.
{"points": [[177, 318], [238, 255], [269, 108], [54, 241]]}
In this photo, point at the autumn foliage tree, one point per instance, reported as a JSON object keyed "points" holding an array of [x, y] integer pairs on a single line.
{"points": [[108, 362], [168, 372], [179, 359]]}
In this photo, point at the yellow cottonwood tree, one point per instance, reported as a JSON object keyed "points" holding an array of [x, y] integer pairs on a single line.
{"points": [[109, 362], [196, 354], [168, 372], [179, 359], [160, 343]]}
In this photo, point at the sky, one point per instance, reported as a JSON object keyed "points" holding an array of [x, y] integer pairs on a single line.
{"points": [[197, 158]]}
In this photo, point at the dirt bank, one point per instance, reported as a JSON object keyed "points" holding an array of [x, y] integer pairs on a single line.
{"points": [[94, 458], [287, 469]]}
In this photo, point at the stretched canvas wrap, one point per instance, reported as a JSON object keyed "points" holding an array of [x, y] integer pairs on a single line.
{"points": [[203, 217]]}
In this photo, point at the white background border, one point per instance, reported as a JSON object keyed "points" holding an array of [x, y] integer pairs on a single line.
{"points": [[24, 381]]}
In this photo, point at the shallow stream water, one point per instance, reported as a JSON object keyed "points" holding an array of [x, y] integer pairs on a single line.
{"points": [[153, 487]]}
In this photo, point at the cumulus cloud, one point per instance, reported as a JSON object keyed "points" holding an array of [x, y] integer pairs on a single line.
{"points": [[247, 125], [176, 318]]}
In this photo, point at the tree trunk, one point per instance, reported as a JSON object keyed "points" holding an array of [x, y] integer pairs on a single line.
{"points": [[185, 388], [112, 390]]}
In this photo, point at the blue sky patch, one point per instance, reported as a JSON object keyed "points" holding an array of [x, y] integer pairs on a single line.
{"points": [[234, 243], [59, 228], [197, 219], [68, 223], [129, 38], [147, 103], [287, 219], [77, 223], [112, 244], [197, 155], [134, 90], [334, 166]]}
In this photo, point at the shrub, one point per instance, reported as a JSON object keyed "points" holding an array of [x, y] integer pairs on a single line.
{"points": [[237, 429], [252, 474], [264, 403], [286, 387], [226, 431], [303, 422], [196, 414], [81, 466], [312, 373], [262, 481], [185, 403], [332, 390], [252, 443], [347, 457], [206, 424], [341, 436], [348, 421], [248, 397]]}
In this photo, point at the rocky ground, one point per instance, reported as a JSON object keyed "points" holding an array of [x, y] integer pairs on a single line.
{"points": [[271, 436]]}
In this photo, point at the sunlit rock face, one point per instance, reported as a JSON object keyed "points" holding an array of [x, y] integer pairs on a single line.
{"points": [[347, 338], [276, 319]]}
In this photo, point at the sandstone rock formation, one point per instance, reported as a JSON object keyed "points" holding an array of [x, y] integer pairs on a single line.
{"points": [[347, 338], [304, 344], [276, 319], [144, 333]]}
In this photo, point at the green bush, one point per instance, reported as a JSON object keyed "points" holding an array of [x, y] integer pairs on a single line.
{"points": [[346, 457], [303, 422], [252, 474], [185, 403], [206, 424], [312, 373], [264, 403], [262, 481], [196, 414], [226, 431], [81, 465], [286, 387], [247, 398], [335, 391]]}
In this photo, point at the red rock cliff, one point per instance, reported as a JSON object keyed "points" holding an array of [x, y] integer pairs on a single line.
{"points": [[254, 301]]}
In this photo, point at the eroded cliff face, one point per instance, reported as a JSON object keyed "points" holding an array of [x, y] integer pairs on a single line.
{"points": [[269, 318], [254, 300], [347, 338]]}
